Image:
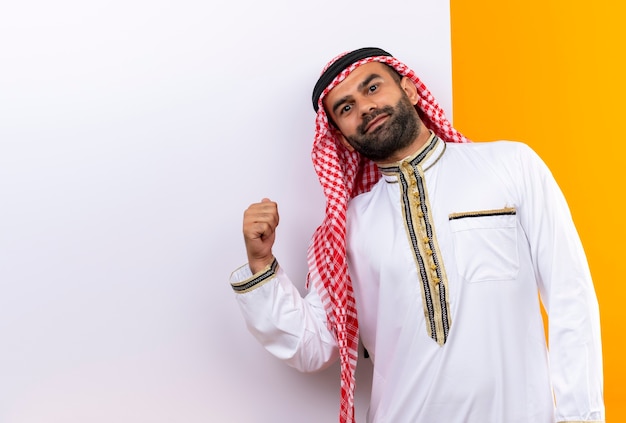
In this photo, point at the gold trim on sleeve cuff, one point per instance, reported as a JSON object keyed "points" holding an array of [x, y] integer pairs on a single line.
{"points": [[257, 279]]}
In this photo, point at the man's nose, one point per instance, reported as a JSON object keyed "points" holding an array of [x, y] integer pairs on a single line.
{"points": [[366, 106]]}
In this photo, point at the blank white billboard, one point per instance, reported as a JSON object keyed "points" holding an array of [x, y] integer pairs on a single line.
{"points": [[133, 134]]}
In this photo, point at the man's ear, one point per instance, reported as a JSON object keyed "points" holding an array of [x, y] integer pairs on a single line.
{"points": [[410, 89]]}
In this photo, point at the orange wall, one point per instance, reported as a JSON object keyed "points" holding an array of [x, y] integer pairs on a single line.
{"points": [[551, 73]]}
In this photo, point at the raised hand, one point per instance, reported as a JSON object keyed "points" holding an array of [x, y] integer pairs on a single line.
{"points": [[259, 232]]}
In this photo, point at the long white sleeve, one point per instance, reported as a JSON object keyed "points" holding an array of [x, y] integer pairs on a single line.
{"points": [[569, 298], [289, 326]]}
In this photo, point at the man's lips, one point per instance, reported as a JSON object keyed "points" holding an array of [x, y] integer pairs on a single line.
{"points": [[376, 122]]}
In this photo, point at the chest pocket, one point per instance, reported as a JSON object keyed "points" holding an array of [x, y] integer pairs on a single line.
{"points": [[485, 244]]}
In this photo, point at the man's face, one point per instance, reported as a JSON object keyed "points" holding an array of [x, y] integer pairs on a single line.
{"points": [[373, 112]]}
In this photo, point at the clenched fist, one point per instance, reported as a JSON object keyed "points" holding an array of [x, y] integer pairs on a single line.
{"points": [[259, 231]]}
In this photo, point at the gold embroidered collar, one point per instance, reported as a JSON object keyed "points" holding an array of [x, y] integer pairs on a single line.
{"points": [[426, 157]]}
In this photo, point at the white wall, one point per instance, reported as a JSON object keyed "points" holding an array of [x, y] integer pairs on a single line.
{"points": [[133, 134]]}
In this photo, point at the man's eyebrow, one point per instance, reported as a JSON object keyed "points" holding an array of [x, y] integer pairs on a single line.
{"points": [[360, 87], [367, 81]]}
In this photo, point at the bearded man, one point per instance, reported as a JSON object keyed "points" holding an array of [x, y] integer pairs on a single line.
{"points": [[432, 252]]}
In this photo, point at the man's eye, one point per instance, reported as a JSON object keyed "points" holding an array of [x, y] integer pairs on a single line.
{"points": [[346, 108], [373, 88]]}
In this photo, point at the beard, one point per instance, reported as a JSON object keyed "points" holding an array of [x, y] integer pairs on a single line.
{"points": [[399, 131]]}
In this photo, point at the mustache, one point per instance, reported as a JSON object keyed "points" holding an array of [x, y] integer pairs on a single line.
{"points": [[371, 116]]}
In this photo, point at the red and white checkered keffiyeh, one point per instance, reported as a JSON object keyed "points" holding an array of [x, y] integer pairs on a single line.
{"points": [[344, 175]]}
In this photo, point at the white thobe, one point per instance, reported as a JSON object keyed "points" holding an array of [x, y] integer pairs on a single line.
{"points": [[504, 234]]}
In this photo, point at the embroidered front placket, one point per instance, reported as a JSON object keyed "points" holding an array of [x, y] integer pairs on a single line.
{"points": [[418, 222]]}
